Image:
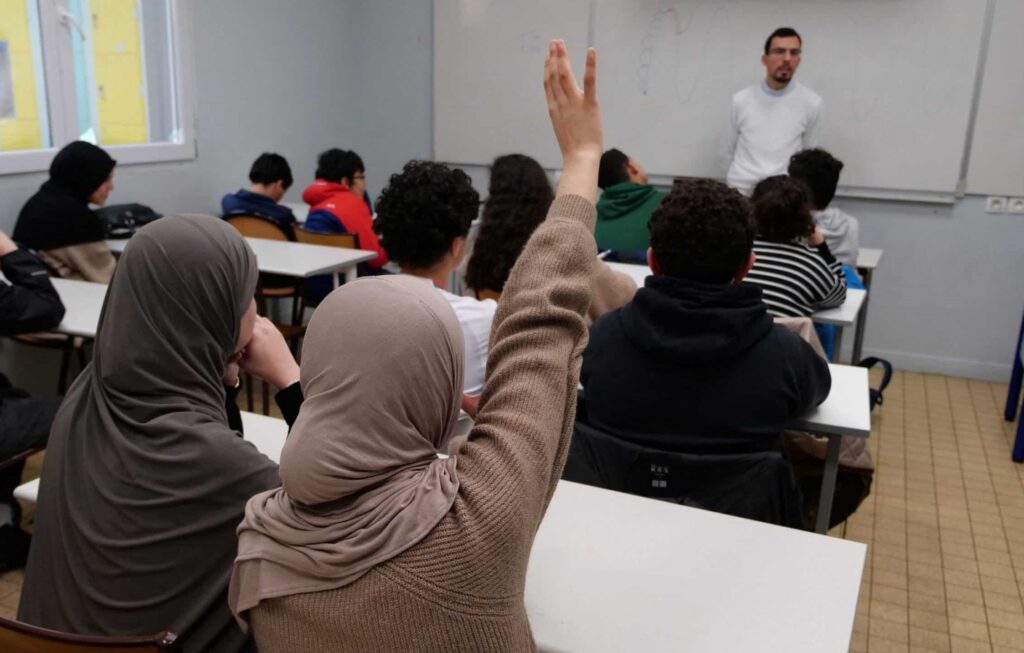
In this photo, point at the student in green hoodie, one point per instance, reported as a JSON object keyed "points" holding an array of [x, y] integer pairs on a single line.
{"points": [[626, 204]]}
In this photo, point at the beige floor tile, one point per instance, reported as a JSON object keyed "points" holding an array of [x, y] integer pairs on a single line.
{"points": [[927, 640], [966, 611], [968, 629]]}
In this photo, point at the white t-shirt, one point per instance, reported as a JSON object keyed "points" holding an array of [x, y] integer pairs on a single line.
{"points": [[842, 233], [767, 127], [475, 317]]}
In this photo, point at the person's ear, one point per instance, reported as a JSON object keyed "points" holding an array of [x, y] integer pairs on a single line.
{"points": [[744, 268], [652, 262], [346, 182], [457, 249]]}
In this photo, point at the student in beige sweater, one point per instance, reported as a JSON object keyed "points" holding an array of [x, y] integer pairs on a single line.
{"points": [[373, 544]]}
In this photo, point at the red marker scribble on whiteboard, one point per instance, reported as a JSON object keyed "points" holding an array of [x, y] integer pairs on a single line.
{"points": [[678, 20]]}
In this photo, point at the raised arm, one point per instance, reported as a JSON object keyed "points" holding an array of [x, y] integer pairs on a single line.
{"points": [[526, 412]]}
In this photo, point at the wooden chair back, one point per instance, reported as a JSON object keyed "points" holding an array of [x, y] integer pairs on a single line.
{"points": [[348, 241], [18, 637], [253, 226], [487, 293]]}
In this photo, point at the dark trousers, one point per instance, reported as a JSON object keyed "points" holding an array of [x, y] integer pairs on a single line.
{"points": [[24, 424]]}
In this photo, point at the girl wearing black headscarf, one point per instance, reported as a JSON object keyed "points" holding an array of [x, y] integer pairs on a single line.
{"points": [[57, 220]]}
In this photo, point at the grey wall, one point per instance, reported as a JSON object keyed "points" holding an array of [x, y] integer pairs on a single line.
{"points": [[269, 77], [949, 292]]}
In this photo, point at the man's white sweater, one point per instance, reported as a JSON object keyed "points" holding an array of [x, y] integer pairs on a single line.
{"points": [[767, 127]]}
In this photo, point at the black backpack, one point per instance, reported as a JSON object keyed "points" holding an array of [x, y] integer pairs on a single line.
{"points": [[122, 220], [876, 398]]}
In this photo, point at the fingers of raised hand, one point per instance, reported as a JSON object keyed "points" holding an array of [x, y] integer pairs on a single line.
{"points": [[590, 77]]}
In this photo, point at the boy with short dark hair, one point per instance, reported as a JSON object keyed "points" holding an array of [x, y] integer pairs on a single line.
{"points": [[270, 178], [336, 201], [625, 205], [819, 171]]}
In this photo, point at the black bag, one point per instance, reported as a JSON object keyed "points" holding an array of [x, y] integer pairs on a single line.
{"points": [[121, 220], [876, 398]]}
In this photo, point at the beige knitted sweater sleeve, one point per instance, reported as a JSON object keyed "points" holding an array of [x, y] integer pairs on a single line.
{"points": [[461, 588]]}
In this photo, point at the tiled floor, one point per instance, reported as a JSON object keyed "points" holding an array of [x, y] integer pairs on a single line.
{"points": [[944, 523]]}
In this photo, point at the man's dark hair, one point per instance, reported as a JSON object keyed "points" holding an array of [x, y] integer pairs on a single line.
{"points": [[782, 209], [518, 199], [335, 165], [819, 170], [422, 210], [613, 169], [270, 167], [702, 231], [782, 32]]}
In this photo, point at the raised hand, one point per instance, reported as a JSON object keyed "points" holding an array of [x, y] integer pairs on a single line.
{"points": [[576, 118]]}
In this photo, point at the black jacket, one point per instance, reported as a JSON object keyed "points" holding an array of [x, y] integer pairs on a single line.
{"points": [[30, 302], [698, 368]]}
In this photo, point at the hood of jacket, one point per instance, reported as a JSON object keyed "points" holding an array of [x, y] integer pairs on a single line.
{"points": [[623, 199], [695, 323], [322, 190]]}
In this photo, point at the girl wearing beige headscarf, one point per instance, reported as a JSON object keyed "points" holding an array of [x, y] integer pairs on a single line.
{"points": [[372, 543], [144, 481]]}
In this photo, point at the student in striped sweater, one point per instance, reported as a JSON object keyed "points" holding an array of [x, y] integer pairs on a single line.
{"points": [[796, 278]]}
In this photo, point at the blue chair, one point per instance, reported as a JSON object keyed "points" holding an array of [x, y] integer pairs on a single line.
{"points": [[1013, 396]]}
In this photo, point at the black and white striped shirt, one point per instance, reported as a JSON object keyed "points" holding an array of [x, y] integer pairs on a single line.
{"points": [[797, 280]]}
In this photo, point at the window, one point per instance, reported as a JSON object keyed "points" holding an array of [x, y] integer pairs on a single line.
{"points": [[110, 72]]}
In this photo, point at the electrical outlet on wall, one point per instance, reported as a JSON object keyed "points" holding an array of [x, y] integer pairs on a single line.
{"points": [[995, 204], [1016, 205]]}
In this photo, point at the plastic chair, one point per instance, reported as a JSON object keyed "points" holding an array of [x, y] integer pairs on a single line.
{"points": [[1013, 395], [757, 485], [347, 241], [18, 637]]}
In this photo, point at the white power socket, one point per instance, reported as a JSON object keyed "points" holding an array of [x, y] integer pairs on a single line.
{"points": [[1016, 205], [995, 204]]}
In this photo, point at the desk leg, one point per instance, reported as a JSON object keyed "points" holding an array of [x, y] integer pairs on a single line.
{"points": [[828, 484], [837, 344], [862, 319], [351, 273]]}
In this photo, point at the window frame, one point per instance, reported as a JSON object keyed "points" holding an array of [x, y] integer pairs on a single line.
{"points": [[55, 34]]}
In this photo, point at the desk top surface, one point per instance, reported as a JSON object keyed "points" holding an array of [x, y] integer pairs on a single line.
{"points": [[846, 410], [613, 572], [83, 302], [292, 259], [868, 258]]}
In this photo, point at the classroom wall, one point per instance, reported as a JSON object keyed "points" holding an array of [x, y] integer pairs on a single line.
{"points": [[948, 294], [265, 79]]}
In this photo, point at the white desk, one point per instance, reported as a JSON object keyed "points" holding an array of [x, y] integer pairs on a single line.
{"points": [[611, 572], [83, 302], [845, 314], [867, 261], [296, 259]]}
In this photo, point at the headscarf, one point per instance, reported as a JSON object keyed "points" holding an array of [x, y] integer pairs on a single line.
{"points": [[144, 482], [58, 215], [361, 482]]}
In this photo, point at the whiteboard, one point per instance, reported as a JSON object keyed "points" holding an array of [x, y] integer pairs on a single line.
{"points": [[997, 153], [896, 77]]}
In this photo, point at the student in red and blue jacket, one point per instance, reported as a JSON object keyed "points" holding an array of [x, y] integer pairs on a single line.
{"points": [[336, 201]]}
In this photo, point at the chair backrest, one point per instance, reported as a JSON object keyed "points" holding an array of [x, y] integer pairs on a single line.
{"points": [[17, 637], [348, 241], [487, 293], [758, 485], [254, 226]]}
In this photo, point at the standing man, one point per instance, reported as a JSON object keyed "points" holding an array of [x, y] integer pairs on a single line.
{"points": [[774, 119]]}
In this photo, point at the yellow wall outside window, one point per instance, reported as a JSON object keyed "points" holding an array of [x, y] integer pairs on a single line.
{"points": [[23, 131], [117, 57]]}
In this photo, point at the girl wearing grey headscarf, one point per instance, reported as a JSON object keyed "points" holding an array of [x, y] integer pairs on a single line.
{"points": [[144, 481]]}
